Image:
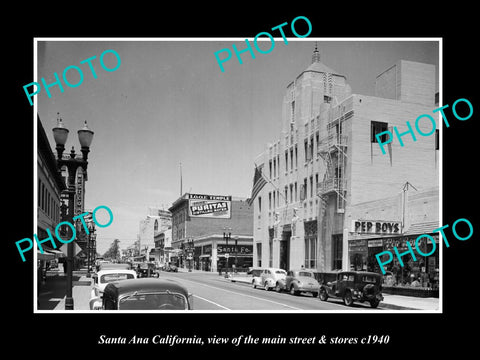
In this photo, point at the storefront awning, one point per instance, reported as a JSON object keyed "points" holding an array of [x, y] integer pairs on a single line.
{"points": [[57, 253], [45, 255]]}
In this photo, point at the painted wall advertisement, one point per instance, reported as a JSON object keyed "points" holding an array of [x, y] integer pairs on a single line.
{"points": [[209, 206]]}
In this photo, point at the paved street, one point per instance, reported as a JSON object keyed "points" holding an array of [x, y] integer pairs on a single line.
{"points": [[214, 292]]}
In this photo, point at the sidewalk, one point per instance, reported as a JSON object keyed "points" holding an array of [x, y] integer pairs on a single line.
{"points": [[393, 302], [52, 294]]}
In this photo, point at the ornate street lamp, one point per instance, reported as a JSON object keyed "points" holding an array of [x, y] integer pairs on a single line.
{"points": [[85, 137]]}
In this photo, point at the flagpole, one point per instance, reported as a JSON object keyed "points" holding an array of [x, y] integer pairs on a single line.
{"points": [[181, 180]]}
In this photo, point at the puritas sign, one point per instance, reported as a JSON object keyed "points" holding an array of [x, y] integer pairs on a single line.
{"points": [[209, 206]]}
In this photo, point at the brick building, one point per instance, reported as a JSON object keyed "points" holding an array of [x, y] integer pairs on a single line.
{"points": [[327, 159], [207, 234]]}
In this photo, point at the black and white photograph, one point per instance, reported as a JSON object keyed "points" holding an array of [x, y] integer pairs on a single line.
{"points": [[289, 183], [240, 188]]}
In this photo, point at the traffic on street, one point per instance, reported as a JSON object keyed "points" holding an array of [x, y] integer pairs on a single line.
{"points": [[125, 286]]}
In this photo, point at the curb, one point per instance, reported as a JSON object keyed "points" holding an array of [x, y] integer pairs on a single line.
{"points": [[382, 304]]}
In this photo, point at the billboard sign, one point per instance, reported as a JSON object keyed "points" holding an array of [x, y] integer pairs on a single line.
{"points": [[209, 206]]}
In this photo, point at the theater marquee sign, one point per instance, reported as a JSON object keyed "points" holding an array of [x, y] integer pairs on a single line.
{"points": [[376, 227]]}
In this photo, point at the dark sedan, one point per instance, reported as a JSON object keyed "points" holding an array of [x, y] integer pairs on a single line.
{"points": [[144, 294]]}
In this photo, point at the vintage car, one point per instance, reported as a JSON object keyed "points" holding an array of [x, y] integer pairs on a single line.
{"points": [[144, 294], [170, 267], [256, 276], [147, 269], [270, 277], [353, 286], [103, 277], [109, 265], [299, 281]]}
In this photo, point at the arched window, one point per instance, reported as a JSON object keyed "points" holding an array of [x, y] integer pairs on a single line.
{"points": [[155, 226]]}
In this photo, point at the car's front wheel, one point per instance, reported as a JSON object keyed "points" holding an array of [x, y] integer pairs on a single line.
{"points": [[374, 303], [278, 287], [348, 299], [293, 291], [323, 294]]}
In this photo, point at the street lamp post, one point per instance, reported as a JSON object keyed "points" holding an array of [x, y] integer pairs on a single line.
{"points": [[236, 251], [190, 254], [85, 137], [227, 234], [91, 238]]}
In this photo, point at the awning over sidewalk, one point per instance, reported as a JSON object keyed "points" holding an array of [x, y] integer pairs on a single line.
{"points": [[45, 255]]}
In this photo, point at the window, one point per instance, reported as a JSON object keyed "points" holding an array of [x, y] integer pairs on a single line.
{"points": [[270, 247], [286, 194], [270, 166], [378, 127], [306, 149], [286, 161], [291, 158], [337, 251], [274, 203], [269, 201], [437, 140], [259, 254], [259, 204], [275, 168], [316, 182], [310, 252], [291, 193], [296, 156], [296, 197]]}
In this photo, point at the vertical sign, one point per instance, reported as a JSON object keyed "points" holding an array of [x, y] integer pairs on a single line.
{"points": [[79, 191]]}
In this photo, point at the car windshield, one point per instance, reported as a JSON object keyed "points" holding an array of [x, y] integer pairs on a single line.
{"points": [[305, 273], [107, 278], [280, 272], [154, 301]]}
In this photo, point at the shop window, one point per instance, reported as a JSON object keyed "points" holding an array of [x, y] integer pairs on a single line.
{"points": [[378, 127]]}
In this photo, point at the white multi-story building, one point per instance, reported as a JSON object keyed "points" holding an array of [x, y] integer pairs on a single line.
{"points": [[327, 159], [157, 220]]}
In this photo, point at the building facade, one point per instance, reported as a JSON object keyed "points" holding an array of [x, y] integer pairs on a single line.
{"points": [[50, 185], [327, 159], [211, 249], [157, 220]]}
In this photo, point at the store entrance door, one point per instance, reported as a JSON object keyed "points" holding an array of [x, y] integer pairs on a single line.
{"points": [[285, 250]]}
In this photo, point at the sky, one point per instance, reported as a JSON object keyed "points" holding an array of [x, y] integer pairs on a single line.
{"points": [[168, 103]]}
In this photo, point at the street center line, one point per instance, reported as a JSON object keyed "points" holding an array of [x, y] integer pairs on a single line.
{"points": [[253, 297], [214, 303]]}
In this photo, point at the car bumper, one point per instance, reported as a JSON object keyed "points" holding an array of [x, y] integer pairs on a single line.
{"points": [[362, 297], [309, 288]]}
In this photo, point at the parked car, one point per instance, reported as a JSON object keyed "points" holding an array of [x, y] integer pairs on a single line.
{"points": [[104, 277], [270, 277], [256, 274], [147, 269], [109, 265], [144, 294], [354, 286], [298, 281], [170, 267]]}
